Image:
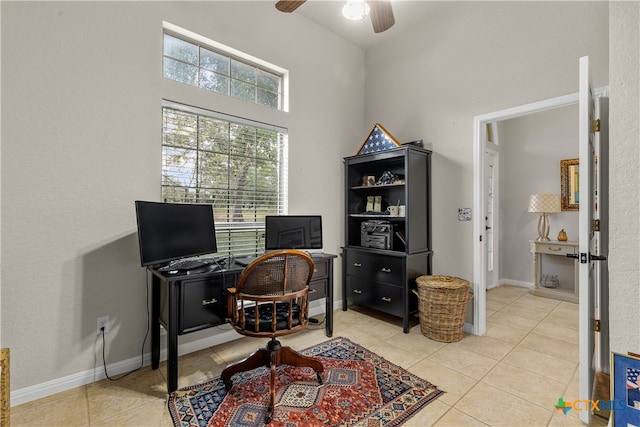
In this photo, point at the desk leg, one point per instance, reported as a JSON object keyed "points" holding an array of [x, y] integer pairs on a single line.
{"points": [[172, 338], [328, 327], [155, 321]]}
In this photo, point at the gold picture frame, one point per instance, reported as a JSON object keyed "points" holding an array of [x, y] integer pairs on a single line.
{"points": [[569, 185]]}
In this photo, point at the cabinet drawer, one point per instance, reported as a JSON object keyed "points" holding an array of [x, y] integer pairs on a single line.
{"points": [[317, 289], [203, 304], [387, 298], [319, 270], [549, 248], [375, 267], [358, 291], [379, 296]]}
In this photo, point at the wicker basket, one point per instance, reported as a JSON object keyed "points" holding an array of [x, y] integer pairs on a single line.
{"points": [[443, 306]]}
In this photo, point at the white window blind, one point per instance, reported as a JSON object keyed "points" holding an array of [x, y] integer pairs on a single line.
{"points": [[237, 165]]}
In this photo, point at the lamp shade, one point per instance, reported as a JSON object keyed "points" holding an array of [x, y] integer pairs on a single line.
{"points": [[544, 203]]}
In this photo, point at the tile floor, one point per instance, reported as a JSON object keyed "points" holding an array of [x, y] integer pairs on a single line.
{"points": [[512, 376]]}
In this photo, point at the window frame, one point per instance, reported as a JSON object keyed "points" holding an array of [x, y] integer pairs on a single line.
{"points": [[233, 55]]}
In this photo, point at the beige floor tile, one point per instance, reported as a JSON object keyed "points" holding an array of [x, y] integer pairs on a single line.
{"points": [[504, 333], [513, 321], [64, 409], [152, 414], [495, 407], [454, 384], [414, 342], [550, 329], [543, 364], [395, 355], [564, 316], [537, 314], [428, 415], [534, 388], [487, 346], [466, 362], [506, 293], [455, 418], [552, 346], [107, 398]]}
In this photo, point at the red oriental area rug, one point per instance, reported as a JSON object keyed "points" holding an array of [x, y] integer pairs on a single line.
{"points": [[360, 389]]}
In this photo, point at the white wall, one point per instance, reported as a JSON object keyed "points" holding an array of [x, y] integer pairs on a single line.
{"points": [[532, 147], [469, 59], [624, 177], [82, 89]]}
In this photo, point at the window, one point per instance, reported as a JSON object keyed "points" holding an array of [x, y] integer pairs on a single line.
{"points": [[237, 165], [215, 70]]}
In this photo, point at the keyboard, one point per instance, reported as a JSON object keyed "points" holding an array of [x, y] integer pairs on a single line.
{"points": [[190, 264]]}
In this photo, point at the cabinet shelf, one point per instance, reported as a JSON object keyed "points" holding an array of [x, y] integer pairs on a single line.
{"points": [[377, 187], [372, 216]]}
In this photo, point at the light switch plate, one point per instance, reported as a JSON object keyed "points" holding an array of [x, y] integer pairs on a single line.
{"points": [[464, 214]]}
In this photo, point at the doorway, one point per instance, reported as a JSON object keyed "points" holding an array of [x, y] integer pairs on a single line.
{"points": [[482, 126]]}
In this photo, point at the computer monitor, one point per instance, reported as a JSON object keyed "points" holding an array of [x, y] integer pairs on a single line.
{"points": [[293, 232], [170, 231]]}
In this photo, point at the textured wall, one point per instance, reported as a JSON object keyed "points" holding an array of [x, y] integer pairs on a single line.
{"points": [[624, 185]]}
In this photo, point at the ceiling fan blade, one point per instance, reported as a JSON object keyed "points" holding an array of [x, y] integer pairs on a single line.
{"points": [[288, 6], [381, 15]]}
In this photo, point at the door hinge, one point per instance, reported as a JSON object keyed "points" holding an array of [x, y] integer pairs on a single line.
{"points": [[595, 125], [596, 325], [596, 225]]}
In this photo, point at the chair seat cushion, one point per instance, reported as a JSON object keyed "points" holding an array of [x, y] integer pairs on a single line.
{"points": [[265, 317]]}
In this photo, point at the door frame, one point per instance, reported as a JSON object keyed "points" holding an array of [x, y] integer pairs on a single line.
{"points": [[479, 326]]}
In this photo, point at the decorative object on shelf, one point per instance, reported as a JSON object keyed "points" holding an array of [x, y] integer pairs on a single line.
{"points": [[387, 178], [368, 180], [544, 204], [569, 180], [626, 390], [550, 280], [374, 204], [562, 236], [464, 214], [379, 139]]}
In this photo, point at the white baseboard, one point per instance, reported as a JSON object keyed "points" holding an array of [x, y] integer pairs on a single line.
{"points": [[38, 391]]}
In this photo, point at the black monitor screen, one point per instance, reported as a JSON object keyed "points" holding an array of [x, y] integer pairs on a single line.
{"points": [[170, 231], [293, 232]]}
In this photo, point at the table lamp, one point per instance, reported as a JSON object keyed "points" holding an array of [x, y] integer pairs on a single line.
{"points": [[544, 204]]}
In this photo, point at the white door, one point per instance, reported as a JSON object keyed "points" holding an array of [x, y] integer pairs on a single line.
{"points": [[588, 249], [491, 218]]}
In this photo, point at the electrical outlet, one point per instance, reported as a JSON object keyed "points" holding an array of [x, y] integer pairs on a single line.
{"points": [[103, 322]]}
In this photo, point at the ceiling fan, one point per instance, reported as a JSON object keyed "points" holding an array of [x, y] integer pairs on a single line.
{"points": [[381, 12]]}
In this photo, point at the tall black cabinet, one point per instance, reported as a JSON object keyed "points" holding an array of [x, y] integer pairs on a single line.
{"points": [[384, 254]]}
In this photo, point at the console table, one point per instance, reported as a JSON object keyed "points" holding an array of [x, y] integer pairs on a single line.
{"points": [[189, 302], [551, 258]]}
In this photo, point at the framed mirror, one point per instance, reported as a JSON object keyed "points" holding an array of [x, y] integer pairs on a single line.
{"points": [[569, 188]]}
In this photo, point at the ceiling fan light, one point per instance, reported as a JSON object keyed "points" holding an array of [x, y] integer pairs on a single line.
{"points": [[355, 10]]}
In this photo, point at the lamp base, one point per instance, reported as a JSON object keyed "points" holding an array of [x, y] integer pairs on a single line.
{"points": [[543, 228]]}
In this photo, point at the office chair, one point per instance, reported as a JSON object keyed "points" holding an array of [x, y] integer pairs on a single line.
{"points": [[272, 299]]}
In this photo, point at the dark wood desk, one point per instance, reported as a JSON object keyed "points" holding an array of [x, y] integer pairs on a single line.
{"points": [[185, 303]]}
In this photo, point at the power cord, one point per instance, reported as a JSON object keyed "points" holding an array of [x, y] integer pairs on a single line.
{"points": [[146, 335]]}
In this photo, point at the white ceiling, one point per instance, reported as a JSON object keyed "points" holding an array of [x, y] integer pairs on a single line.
{"points": [[328, 13]]}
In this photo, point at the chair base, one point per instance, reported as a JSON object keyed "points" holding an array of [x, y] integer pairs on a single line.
{"points": [[272, 356]]}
